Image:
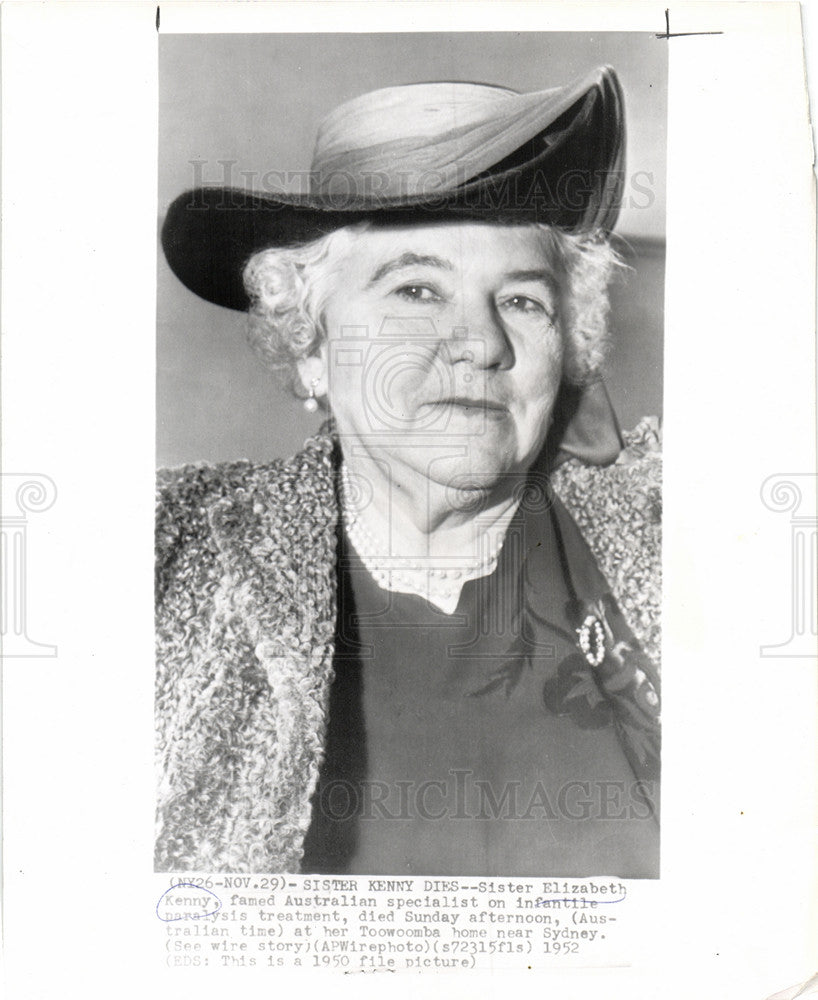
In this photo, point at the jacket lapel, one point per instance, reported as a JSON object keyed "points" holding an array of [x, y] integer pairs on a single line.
{"points": [[275, 620]]}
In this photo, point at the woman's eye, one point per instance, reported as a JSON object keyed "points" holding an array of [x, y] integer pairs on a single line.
{"points": [[417, 293], [523, 304]]}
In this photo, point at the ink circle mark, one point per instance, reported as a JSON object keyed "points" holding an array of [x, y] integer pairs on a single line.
{"points": [[190, 905]]}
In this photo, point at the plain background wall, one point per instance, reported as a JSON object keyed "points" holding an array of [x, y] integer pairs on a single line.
{"points": [[255, 102]]}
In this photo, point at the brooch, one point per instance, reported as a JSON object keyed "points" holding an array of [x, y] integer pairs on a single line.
{"points": [[591, 638]]}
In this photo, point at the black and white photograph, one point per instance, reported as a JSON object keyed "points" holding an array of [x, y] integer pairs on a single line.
{"points": [[409, 543], [427, 640]]}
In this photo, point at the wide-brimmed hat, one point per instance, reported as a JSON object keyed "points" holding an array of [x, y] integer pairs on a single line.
{"points": [[420, 151]]}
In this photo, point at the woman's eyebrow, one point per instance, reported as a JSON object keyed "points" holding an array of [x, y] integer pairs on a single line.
{"points": [[547, 277], [409, 260]]}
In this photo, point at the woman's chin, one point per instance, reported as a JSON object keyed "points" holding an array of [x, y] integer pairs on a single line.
{"points": [[477, 470], [470, 462]]}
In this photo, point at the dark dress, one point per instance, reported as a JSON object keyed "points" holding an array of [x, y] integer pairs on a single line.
{"points": [[485, 742]]}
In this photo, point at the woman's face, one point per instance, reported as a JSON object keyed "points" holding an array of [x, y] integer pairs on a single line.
{"points": [[444, 352]]}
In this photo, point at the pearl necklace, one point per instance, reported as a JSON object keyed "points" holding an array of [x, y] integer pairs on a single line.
{"points": [[439, 580]]}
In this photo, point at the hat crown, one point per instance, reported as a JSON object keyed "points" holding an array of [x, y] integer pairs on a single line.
{"points": [[419, 139], [392, 114]]}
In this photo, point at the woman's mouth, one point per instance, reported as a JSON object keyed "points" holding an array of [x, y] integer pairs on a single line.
{"points": [[473, 405]]}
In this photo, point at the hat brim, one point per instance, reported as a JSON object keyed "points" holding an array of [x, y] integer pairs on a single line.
{"points": [[568, 173]]}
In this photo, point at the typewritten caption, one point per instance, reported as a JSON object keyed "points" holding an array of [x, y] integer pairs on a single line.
{"points": [[391, 924]]}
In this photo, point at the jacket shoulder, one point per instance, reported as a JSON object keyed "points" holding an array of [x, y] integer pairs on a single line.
{"points": [[184, 494], [187, 496]]}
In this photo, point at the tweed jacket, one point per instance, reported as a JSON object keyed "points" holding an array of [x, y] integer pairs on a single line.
{"points": [[246, 605]]}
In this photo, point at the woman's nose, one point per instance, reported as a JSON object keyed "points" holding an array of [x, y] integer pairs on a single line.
{"points": [[481, 338]]}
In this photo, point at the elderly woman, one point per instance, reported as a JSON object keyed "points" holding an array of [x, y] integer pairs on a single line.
{"points": [[426, 643]]}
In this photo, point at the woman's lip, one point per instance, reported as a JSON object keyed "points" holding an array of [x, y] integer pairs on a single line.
{"points": [[470, 403]]}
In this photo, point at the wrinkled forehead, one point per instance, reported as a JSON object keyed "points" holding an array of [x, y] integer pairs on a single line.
{"points": [[475, 247]]}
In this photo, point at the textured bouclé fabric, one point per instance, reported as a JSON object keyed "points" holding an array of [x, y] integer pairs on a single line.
{"points": [[245, 614]]}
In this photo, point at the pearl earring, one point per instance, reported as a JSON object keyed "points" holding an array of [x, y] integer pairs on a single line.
{"points": [[311, 403]]}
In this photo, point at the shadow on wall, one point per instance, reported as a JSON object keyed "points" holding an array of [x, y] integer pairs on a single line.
{"points": [[635, 367], [216, 403]]}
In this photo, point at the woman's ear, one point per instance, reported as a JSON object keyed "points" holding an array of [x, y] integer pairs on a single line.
{"points": [[312, 372]]}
